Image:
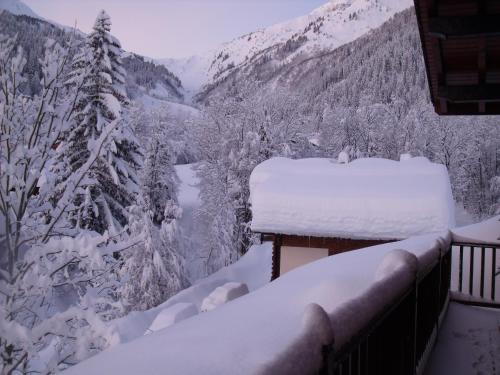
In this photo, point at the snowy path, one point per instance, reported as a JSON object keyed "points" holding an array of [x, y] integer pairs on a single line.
{"points": [[190, 202], [468, 344]]}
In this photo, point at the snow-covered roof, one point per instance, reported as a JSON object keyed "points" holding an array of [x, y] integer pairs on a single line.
{"points": [[365, 199]]}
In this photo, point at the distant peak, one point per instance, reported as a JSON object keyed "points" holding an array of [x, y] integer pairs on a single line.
{"points": [[17, 7]]}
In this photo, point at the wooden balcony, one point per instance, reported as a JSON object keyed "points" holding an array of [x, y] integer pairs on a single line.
{"points": [[401, 339], [461, 45]]}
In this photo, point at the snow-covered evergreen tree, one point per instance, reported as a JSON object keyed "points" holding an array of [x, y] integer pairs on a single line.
{"points": [[154, 268], [55, 290], [111, 186]]}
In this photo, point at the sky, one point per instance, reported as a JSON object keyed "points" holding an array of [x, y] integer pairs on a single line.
{"points": [[174, 28]]}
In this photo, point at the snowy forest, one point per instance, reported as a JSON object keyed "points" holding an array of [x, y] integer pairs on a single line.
{"points": [[89, 210]]}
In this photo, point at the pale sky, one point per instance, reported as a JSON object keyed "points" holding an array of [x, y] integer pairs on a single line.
{"points": [[174, 28]]}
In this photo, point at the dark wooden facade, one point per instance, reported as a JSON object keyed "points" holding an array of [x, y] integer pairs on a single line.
{"points": [[461, 45], [334, 246]]}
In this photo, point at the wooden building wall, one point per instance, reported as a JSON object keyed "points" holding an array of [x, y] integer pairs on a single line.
{"points": [[334, 246]]}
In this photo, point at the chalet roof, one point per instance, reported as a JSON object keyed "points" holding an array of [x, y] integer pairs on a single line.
{"points": [[461, 45], [365, 199]]}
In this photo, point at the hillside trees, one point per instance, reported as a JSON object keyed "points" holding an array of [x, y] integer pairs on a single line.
{"points": [[234, 136]]}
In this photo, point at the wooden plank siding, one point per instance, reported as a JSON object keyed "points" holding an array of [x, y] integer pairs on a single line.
{"points": [[334, 246], [461, 46]]}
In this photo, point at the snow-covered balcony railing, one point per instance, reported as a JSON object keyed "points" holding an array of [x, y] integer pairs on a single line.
{"points": [[375, 309], [476, 258], [397, 319]]}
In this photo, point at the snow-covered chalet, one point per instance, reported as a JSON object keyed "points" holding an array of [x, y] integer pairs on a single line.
{"points": [[314, 208]]}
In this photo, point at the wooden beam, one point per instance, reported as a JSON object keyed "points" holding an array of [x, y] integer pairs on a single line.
{"points": [[276, 261], [458, 110], [482, 108], [460, 27], [470, 94], [442, 108]]}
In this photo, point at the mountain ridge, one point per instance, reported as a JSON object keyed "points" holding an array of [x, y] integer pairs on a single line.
{"points": [[327, 27]]}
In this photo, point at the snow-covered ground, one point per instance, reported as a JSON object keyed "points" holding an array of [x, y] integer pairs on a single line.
{"points": [[179, 110], [253, 270], [269, 326], [190, 202], [468, 343]]}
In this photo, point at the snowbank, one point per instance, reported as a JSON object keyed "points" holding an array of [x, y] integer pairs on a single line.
{"points": [[223, 294], [364, 199], [485, 232], [253, 269], [172, 315], [256, 333]]}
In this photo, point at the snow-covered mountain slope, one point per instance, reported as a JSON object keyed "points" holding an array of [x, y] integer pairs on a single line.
{"points": [[147, 78], [144, 77], [330, 26], [17, 7]]}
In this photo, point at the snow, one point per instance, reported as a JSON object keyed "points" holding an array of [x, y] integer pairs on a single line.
{"points": [[253, 270], [364, 199], [462, 216], [343, 158], [393, 261], [172, 315], [315, 334], [223, 294], [192, 71], [188, 190], [485, 232], [468, 343], [405, 157], [179, 111], [190, 203], [265, 329]]}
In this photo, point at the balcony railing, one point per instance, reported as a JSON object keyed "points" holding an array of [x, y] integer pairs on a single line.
{"points": [[400, 339], [476, 275]]}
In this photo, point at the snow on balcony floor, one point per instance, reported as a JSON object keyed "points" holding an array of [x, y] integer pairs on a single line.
{"points": [[468, 343]]}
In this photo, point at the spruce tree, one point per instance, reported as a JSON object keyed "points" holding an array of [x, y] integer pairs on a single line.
{"points": [[112, 184]]}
